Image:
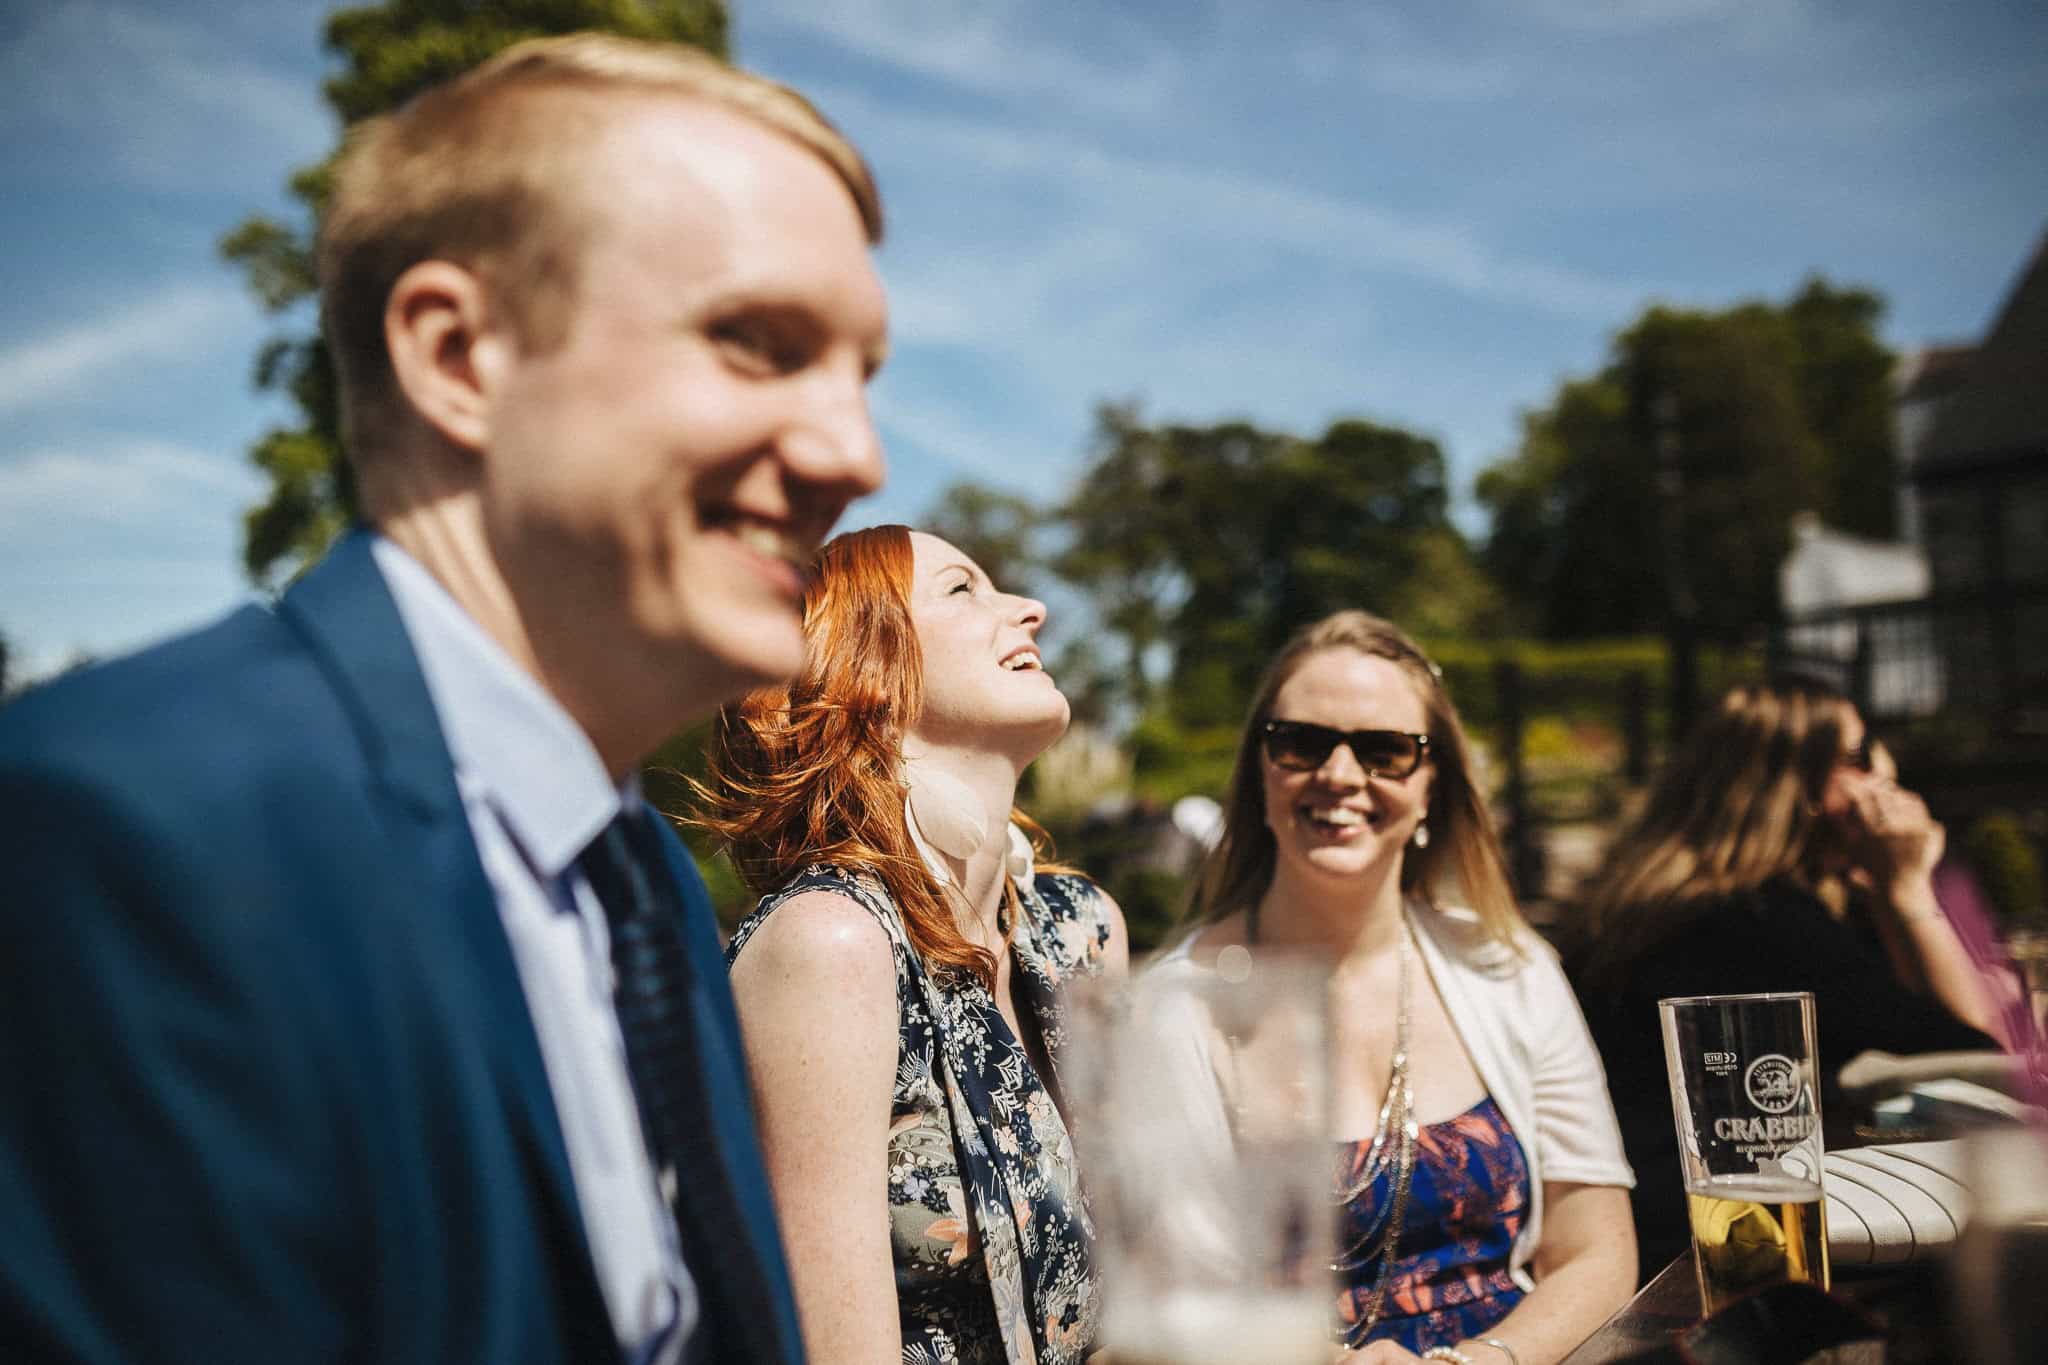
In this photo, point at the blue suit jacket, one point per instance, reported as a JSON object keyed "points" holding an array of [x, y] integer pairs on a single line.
{"points": [[269, 1090]]}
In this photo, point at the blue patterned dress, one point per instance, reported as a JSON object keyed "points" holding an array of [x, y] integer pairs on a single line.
{"points": [[987, 1226], [1467, 1201]]}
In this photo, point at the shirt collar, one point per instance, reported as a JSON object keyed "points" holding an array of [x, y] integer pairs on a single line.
{"points": [[507, 735]]}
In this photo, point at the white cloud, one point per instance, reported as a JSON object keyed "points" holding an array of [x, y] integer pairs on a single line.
{"points": [[957, 436], [107, 544], [159, 99], [1634, 16], [26, 664], [987, 292], [175, 320], [928, 305], [55, 494], [1416, 75], [1890, 102], [1209, 293], [1384, 49], [1161, 202], [999, 46]]}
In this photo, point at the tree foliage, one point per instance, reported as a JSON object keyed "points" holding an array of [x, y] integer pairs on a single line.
{"points": [[996, 529], [1199, 549], [1773, 409], [1214, 544], [388, 52]]}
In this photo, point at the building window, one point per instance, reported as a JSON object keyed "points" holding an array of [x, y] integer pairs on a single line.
{"points": [[2026, 528], [1949, 519], [2030, 638]]}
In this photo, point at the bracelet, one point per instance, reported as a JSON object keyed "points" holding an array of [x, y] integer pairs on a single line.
{"points": [[1450, 1353], [1497, 1344]]}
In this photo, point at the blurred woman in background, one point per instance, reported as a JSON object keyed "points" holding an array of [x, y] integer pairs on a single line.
{"points": [[896, 982], [1723, 884], [1480, 1190]]}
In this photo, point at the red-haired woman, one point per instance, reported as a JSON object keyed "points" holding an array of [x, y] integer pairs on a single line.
{"points": [[896, 981]]}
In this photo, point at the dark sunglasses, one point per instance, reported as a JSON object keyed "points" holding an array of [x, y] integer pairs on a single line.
{"points": [[1303, 746]]}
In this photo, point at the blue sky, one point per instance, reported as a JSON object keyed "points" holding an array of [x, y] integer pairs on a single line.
{"points": [[1283, 209]]}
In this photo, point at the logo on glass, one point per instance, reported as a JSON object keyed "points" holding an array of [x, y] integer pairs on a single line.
{"points": [[1772, 1082]]}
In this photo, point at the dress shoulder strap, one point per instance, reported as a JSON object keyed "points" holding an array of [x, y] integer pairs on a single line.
{"points": [[1068, 915], [861, 888]]}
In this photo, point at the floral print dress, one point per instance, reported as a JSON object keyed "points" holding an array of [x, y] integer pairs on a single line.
{"points": [[1467, 1201], [987, 1225]]}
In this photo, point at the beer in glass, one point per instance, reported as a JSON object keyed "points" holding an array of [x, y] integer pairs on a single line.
{"points": [[1745, 1095]]}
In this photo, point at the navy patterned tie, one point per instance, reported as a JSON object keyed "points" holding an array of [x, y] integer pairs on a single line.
{"points": [[652, 991]]}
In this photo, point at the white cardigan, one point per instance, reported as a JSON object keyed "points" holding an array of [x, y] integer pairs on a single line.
{"points": [[1522, 1028]]}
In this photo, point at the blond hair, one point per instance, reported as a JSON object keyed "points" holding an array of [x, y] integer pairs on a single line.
{"points": [[1736, 807], [1463, 849], [481, 170]]}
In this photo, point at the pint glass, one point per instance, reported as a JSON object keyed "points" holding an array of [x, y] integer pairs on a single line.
{"points": [[2001, 1258], [1199, 1106], [1745, 1094]]}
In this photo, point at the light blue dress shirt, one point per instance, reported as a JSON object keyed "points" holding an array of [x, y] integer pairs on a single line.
{"points": [[536, 794]]}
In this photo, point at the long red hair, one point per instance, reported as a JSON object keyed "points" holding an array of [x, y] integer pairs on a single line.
{"points": [[811, 772]]}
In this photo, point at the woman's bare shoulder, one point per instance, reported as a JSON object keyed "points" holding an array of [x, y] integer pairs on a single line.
{"points": [[825, 935]]}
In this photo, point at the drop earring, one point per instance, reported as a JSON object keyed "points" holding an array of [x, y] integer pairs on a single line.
{"points": [[1421, 836]]}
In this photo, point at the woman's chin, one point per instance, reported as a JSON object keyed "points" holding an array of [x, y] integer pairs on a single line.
{"points": [[1027, 740], [1051, 725], [1360, 857]]}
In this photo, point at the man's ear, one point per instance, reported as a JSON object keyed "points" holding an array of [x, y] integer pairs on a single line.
{"points": [[436, 321]]}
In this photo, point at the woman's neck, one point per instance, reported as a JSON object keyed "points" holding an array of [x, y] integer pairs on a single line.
{"points": [[990, 786], [1339, 920]]}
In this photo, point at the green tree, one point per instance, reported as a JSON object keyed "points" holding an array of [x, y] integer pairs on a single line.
{"points": [[1282, 531], [996, 529], [1574, 500], [1844, 386], [388, 53], [1203, 548], [2009, 866], [1119, 550], [1448, 593], [1773, 410]]}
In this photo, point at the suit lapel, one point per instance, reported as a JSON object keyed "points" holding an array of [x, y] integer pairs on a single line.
{"points": [[347, 616]]}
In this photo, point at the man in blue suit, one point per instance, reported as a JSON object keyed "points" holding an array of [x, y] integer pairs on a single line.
{"points": [[353, 1007]]}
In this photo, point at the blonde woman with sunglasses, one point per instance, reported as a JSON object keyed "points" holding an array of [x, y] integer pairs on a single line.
{"points": [[1477, 1176]]}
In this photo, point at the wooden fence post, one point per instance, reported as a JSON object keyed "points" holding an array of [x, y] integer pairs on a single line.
{"points": [[1635, 724], [1525, 851]]}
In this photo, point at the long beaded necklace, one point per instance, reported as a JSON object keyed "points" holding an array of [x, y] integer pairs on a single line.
{"points": [[1393, 1140]]}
